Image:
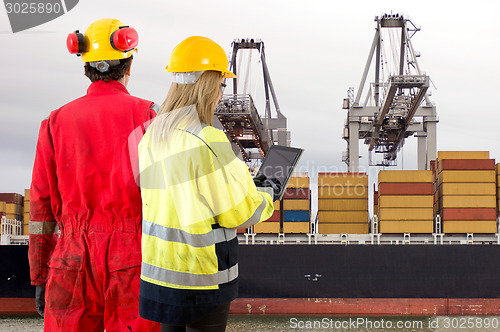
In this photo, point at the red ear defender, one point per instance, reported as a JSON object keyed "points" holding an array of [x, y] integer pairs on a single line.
{"points": [[124, 39], [75, 43]]}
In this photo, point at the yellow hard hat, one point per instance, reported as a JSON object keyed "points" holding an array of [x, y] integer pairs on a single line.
{"points": [[105, 39], [196, 54]]}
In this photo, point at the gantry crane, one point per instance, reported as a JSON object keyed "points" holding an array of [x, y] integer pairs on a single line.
{"points": [[238, 115], [393, 108]]}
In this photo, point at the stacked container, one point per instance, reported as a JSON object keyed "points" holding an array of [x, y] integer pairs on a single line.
{"points": [[271, 225], [26, 218], [13, 205], [498, 188], [467, 192], [297, 205], [343, 203], [406, 201]]}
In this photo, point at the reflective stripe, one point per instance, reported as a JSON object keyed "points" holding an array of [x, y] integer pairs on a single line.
{"points": [[42, 227], [255, 218], [189, 279], [195, 240]]}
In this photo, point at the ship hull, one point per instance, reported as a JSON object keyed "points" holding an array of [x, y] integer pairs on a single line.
{"points": [[356, 280]]}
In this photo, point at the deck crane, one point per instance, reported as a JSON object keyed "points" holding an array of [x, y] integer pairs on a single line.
{"points": [[397, 103], [238, 115]]}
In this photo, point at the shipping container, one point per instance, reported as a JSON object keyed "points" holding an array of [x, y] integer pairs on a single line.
{"points": [[406, 214], [297, 204], [296, 227], [297, 193], [406, 226], [467, 189], [12, 208], [404, 176], [405, 189], [340, 191], [340, 228], [340, 204], [469, 214], [26, 194], [275, 216], [467, 201], [466, 164], [467, 226], [13, 198], [406, 201], [298, 182], [343, 216], [342, 179], [467, 176], [268, 227], [291, 216], [463, 155]]}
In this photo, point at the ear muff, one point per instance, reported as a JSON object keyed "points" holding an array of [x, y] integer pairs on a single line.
{"points": [[75, 43], [124, 39]]}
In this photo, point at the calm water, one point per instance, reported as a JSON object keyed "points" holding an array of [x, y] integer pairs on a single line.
{"points": [[255, 323]]}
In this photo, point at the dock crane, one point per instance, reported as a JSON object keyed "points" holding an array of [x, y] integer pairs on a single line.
{"points": [[238, 115], [396, 107]]}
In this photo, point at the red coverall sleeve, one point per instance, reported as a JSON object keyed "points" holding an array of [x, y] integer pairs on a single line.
{"points": [[43, 194]]}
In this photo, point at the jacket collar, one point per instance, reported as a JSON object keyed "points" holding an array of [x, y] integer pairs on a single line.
{"points": [[101, 87]]}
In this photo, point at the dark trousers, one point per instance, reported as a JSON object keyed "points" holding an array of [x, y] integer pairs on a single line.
{"points": [[214, 322]]}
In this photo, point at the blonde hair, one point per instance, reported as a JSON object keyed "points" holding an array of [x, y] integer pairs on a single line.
{"points": [[204, 95]]}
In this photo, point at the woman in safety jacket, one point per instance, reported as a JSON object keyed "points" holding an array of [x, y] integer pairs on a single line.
{"points": [[195, 194], [85, 217]]}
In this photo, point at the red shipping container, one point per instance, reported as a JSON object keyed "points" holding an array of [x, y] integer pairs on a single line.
{"points": [[13, 198], [406, 188], [466, 164], [275, 216], [241, 230], [299, 193], [469, 214]]}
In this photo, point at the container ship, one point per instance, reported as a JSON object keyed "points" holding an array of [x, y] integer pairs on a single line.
{"points": [[429, 244]]}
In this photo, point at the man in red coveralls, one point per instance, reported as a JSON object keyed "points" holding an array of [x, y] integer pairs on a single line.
{"points": [[85, 221]]}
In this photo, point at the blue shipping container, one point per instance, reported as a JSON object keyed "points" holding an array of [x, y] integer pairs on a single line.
{"points": [[296, 215]]}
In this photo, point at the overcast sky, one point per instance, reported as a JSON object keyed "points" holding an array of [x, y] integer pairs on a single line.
{"points": [[315, 51]]}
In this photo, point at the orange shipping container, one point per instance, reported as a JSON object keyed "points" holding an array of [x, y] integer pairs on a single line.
{"points": [[339, 204], [296, 227], [343, 216], [343, 192], [406, 213], [344, 179], [298, 182], [468, 189], [404, 176], [467, 201], [466, 226], [267, 227], [463, 155], [340, 228], [466, 176], [296, 204], [406, 226]]}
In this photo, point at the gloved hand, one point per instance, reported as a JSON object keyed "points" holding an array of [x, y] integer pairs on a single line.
{"points": [[40, 300], [263, 182]]}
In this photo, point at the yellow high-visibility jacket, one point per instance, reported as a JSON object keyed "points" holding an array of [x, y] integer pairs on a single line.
{"points": [[195, 193]]}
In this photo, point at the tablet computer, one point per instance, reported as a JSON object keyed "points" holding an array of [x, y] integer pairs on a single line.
{"points": [[279, 163]]}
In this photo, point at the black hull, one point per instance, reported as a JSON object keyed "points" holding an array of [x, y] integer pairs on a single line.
{"points": [[352, 271]]}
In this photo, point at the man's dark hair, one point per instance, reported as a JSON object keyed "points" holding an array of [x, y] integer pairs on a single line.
{"points": [[113, 73]]}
